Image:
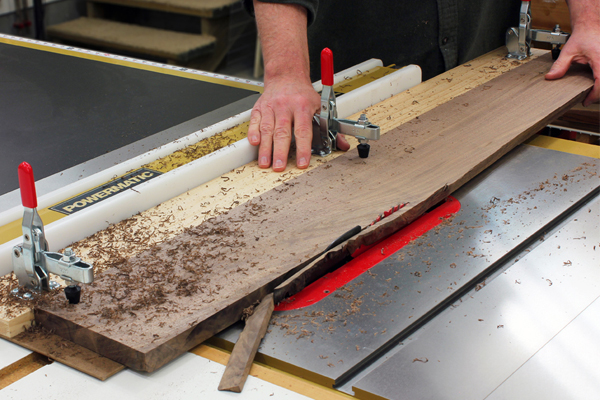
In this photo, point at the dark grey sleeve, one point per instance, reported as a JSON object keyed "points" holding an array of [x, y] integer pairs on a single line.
{"points": [[310, 5]]}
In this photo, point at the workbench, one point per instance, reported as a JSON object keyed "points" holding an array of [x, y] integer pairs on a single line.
{"points": [[513, 313]]}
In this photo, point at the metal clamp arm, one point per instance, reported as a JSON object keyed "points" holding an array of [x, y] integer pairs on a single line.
{"points": [[69, 267], [361, 129]]}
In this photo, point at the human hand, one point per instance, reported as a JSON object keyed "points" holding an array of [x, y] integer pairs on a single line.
{"points": [[285, 108], [583, 47]]}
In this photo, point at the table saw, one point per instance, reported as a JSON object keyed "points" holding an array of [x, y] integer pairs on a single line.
{"points": [[493, 293]]}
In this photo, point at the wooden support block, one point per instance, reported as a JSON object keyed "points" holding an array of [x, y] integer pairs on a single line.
{"points": [[57, 348], [15, 317], [245, 348], [177, 46], [145, 311]]}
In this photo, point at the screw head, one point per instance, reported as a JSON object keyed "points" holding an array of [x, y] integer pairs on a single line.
{"points": [[27, 296], [15, 291], [17, 253], [54, 284]]}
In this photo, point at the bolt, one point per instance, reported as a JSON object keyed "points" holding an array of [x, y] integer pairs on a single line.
{"points": [[69, 255], [557, 28], [54, 285], [363, 120]]}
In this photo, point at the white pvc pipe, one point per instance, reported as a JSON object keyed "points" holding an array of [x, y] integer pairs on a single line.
{"points": [[171, 184], [146, 195], [351, 72], [106, 175]]}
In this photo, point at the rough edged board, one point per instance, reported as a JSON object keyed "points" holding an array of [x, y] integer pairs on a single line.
{"points": [[146, 311], [243, 353], [238, 186], [68, 353]]}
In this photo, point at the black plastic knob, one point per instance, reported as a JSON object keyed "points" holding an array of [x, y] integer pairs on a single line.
{"points": [[73, 294], [555, 52], [363, 150]]}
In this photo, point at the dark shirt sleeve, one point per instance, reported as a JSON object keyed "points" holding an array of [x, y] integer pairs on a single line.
{"points": [[310, 5]]}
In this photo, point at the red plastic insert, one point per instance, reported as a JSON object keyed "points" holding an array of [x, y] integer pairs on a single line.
{"points": [[27, 185], [326, 67], [365, 258]]}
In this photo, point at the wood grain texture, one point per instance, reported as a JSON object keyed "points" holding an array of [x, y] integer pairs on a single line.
{"points": [[245, 348], [57, 348], [145, 311]]}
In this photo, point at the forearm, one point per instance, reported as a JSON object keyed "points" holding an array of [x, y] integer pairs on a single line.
{"points": [[282, 31]]}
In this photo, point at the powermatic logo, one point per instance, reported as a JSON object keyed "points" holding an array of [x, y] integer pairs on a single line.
{"points": [[105, 191]]}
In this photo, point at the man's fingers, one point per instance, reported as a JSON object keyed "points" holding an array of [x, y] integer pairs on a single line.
{"points": [[342, 143], [561, 65], [282, 139], [303, 131], [254, 127], [266, 126]]}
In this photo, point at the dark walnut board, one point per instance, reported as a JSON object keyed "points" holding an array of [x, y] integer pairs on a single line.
{"points": [[145, 311]]}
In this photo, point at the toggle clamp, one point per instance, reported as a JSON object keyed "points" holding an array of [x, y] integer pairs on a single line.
{"points": [[518, 40], [32, 262], [327, 125]]}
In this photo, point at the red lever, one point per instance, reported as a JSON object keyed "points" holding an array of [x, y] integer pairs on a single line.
{"points": [[27, 185], [326, 67]]}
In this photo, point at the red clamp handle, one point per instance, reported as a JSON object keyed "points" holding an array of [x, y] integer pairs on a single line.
{"points": [[27, 185], [326, 67]]}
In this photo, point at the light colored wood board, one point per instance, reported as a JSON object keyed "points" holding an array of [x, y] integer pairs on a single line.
{"points": [[21, 368], [151, 308], [546, 14], [245, 348], [57, 348], [15, 316], [172, 45], [275, 376], [239, 186], [204, 8]]}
